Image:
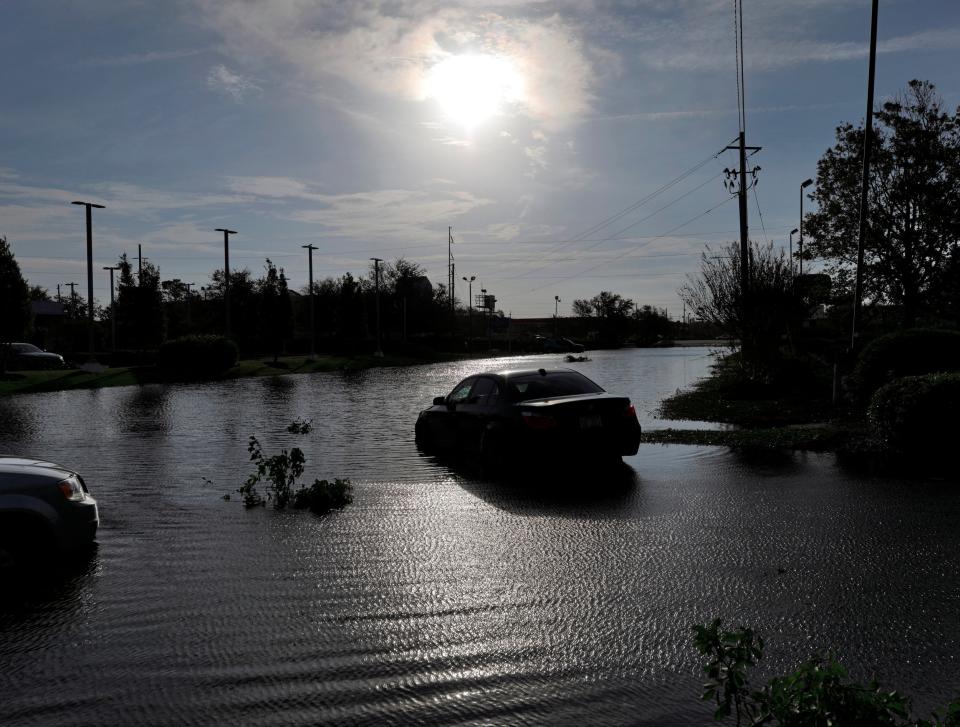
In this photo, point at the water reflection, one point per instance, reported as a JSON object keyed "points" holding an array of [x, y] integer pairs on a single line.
{"points": [[443, 595], [55, 587], [144, 409], [18, 420]]}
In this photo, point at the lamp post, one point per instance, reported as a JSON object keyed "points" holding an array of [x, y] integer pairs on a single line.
{"points": [[91, 364], [226, 272], [313, 327], [803, 186], [556, 306], [113, 312], [792, 233], [469, 282]]}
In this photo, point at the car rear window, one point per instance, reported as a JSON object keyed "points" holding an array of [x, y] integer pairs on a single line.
{"points": [[561, 383]]}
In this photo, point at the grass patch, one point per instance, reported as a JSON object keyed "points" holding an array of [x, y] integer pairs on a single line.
{"points": [[31, 382], [816, 438]]}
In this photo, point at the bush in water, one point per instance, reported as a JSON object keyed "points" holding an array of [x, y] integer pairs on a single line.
{"points": [[818, 693], [282, 472], [916, 414], [912, 352], [197, 355]]}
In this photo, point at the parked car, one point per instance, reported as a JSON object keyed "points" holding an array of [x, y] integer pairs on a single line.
{"points": [[22, 356], [44, 507], [559, 345], [556, 416]]}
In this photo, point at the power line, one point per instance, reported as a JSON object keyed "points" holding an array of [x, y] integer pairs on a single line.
{"points": [[632, 250]]}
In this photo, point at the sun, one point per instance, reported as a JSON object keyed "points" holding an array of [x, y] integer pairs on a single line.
{"points": [[472, 88]]}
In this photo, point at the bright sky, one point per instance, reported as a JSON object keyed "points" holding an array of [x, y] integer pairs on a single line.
{"points": [[366, 128]]}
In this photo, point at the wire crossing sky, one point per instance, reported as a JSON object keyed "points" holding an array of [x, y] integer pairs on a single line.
{"points": [[569, 145]]}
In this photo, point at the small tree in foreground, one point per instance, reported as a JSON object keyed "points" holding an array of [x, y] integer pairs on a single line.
{"points": [[763, 322]]}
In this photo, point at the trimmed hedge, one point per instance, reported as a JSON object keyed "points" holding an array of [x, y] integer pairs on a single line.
{"points": [[197, 356], [917, 414], [912, 352]]}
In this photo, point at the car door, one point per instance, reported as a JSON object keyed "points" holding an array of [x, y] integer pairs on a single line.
{"points": [[444, 418], [475, 413]]}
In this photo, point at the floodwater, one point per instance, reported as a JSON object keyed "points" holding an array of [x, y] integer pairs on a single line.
{"points": [[440, 597]]}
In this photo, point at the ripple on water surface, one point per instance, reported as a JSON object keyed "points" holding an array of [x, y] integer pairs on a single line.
{"points": [[440, 596]]}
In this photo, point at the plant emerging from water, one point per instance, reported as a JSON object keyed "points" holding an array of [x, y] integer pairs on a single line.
{"points": [[818, 693], [300, 426], [281, 474]]}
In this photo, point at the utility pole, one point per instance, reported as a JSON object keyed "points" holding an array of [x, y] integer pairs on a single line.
{"points": [[792, 233], [865, 182], [451, 280], [59, 298], [140, 259], [313, 327], [73, 297], [376, 276], [188, 286], [91, 364], [226, 272], [803, 185], [556, 306], [113, 312]]}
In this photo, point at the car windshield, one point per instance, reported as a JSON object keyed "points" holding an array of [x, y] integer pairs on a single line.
{"points": [[557, 383], [24, 348]]}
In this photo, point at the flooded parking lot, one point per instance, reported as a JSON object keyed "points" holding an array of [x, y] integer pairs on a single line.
{"points": [[442, 597]]}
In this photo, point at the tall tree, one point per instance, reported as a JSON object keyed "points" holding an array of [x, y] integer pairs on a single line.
{"points": [[613, 312], [914, 202], [140, 322], [276, 312], [14, 301]]}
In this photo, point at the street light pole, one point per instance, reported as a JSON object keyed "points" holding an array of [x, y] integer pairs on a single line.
{"points": [[113, 313], [313, 327], [556, 306], [376, 276], [806, 183], [469, 282], [226, 272], [91, 364]]}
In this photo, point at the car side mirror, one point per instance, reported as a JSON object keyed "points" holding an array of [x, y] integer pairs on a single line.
{"points": [[439, 400]]}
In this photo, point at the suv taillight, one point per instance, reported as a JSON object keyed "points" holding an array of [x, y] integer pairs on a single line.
{"points": [[630, 411], [72, 489]]}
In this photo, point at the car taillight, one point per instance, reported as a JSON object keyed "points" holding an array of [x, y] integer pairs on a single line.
{"points": [[539, 421], [72, 489], [630, 411]]}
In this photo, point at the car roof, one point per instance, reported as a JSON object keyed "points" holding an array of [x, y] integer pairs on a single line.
{"points": [[513, 373]]}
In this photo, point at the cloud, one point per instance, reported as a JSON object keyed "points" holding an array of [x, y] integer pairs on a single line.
{"points": [[384, 213], [136, 59], [223, 80], [386, 50]]}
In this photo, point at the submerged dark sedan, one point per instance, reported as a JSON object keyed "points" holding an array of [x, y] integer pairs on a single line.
{"points": [[558, 414]]}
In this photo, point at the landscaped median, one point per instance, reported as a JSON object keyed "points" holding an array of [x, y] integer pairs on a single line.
{"points": [[819, 437], [28, 382]]}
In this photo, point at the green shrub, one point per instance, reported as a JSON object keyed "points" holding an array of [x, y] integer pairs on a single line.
{"points": [[912, 352], [323, 496], [916, 414], [818, 693], [197, 356], [281, 473]]}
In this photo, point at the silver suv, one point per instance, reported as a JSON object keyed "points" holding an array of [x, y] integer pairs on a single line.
{"points": [[43, 507]]}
